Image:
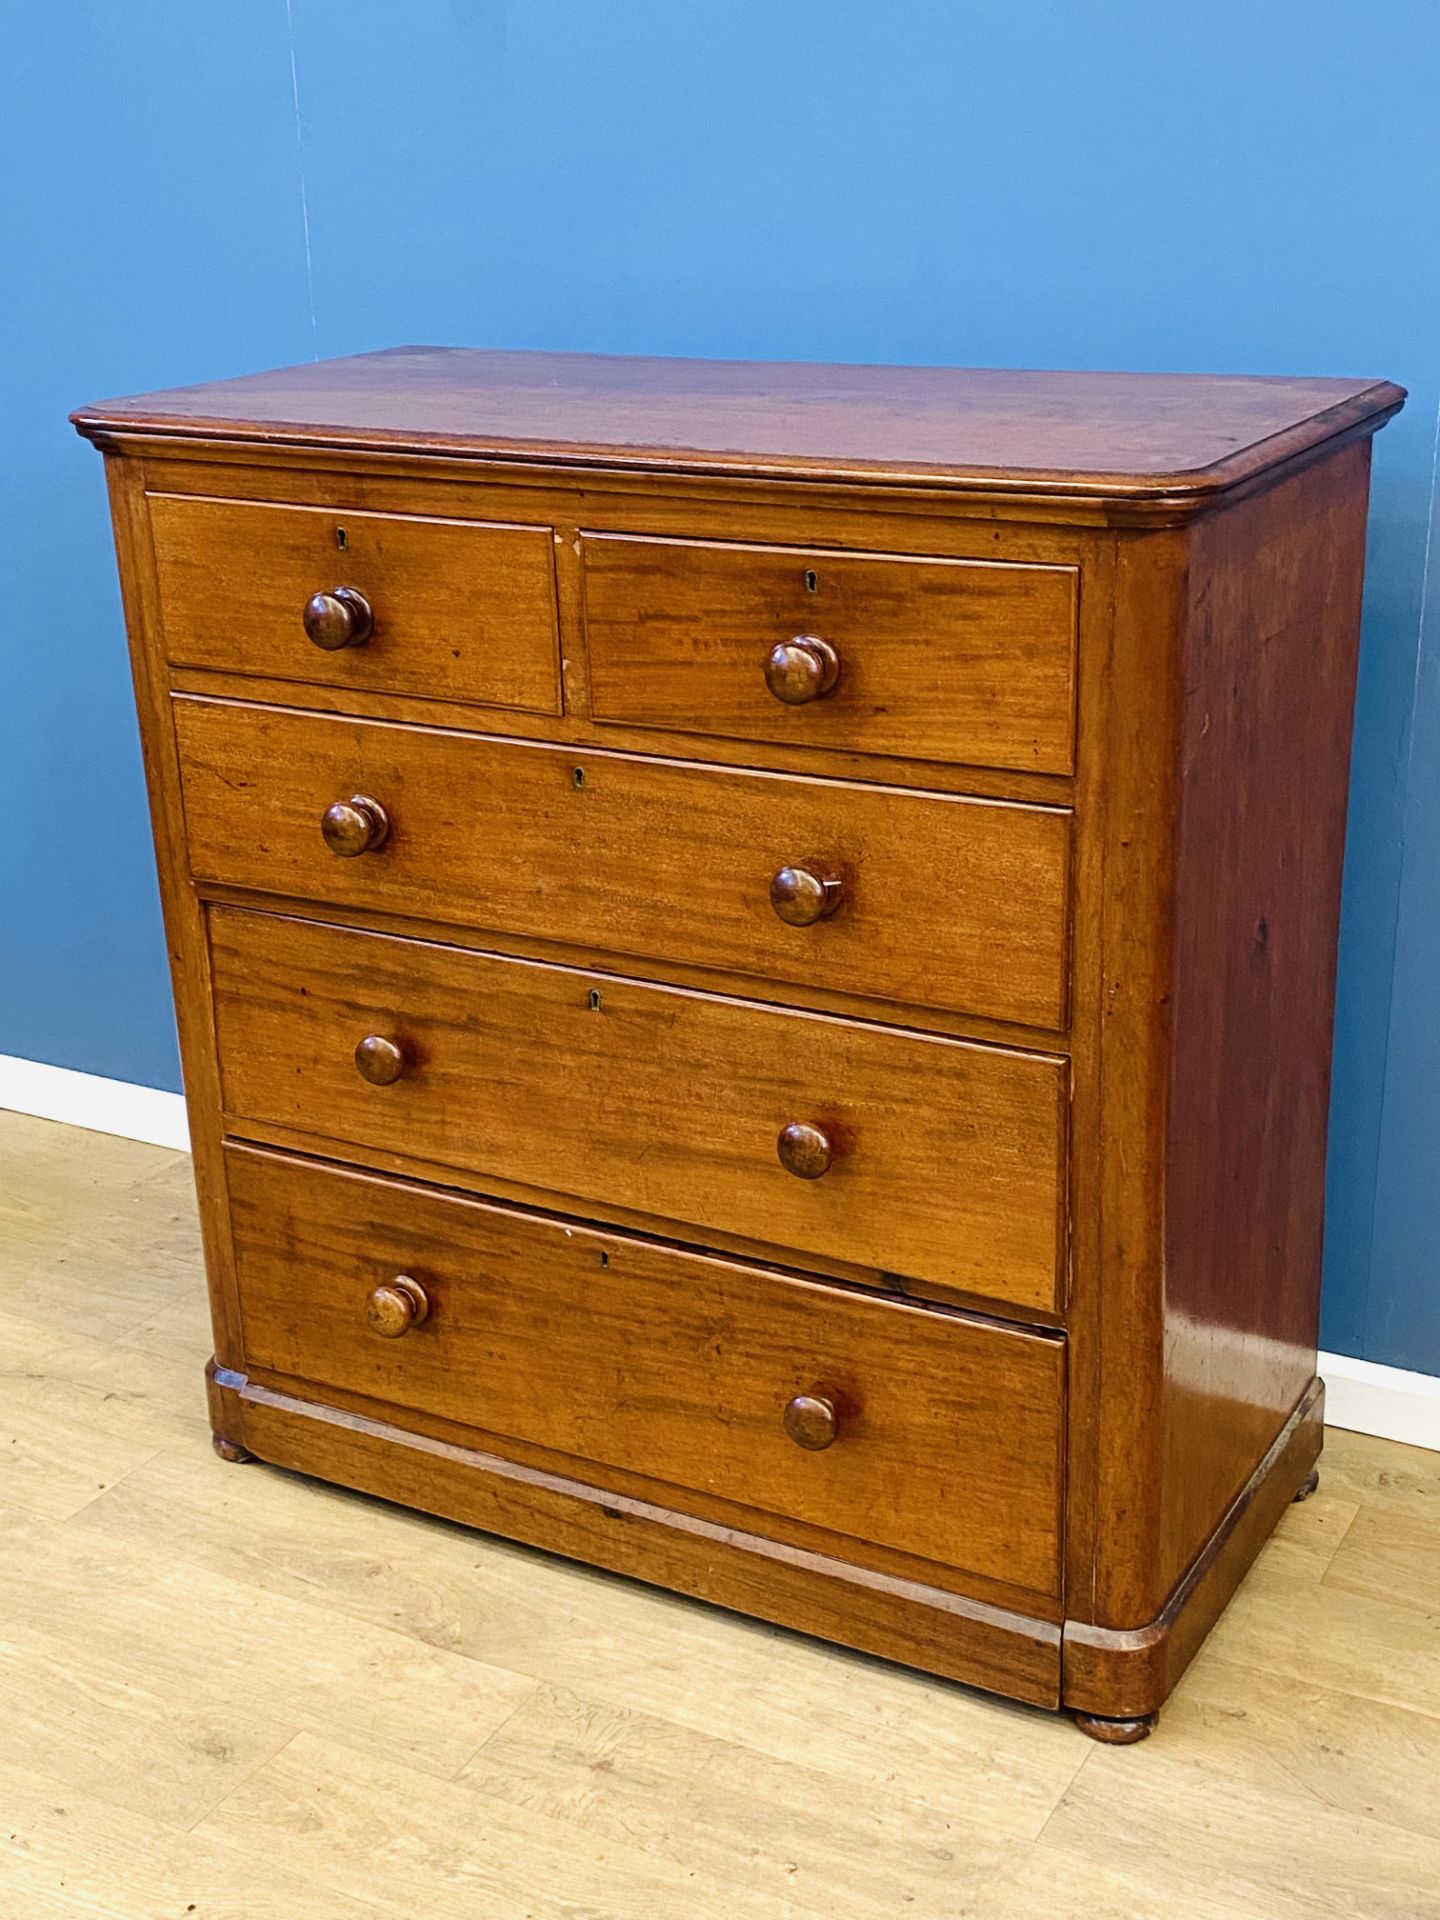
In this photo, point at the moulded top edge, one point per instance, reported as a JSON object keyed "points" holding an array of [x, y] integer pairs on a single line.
{"points": [[1156, 440]]}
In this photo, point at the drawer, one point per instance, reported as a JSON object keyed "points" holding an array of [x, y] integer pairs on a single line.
{"points": [[944, 1155], [963, 661], [461, 610], [943, 902], [648, 1361]]}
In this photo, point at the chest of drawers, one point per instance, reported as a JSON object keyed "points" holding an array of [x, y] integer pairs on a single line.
{"points": [[754, 949]]}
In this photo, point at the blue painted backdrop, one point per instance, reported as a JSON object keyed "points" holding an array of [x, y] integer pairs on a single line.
{"points": [[197, 188]]}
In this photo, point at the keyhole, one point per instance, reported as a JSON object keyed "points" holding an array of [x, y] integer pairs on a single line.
{"points": [[340, 539], [578, 777], [594, 1000], [812, 580]]}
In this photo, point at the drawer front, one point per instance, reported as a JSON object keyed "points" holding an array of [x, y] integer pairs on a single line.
{"points": [[961, 661], [679, 1367], [461, 610], [943, 902], [945, 1156]]}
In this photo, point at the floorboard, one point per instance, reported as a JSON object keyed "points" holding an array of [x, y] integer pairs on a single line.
{"points": [[231, 1691]]}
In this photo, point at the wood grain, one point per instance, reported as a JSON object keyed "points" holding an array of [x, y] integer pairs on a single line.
{"points": [[1269, 676], [927, 1626], [664, 1364], [579, 1084], [1126, 1674], [862, 1725], [456, 1851], [462, 610], [1058, 1049], [1238, 1843], [836, 520], [655, 1736], [272, 1652], [66, 1854], [1111, 436], [1205, 950], [1283, 1732], [649, 857], [184, 925], [939, 659], [127, 1737]]}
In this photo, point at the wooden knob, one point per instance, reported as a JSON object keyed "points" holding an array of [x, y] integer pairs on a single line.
{"points": [[804, 1150], [802, 669], [801, 897], [340, 618], [812, 1421], [379, 1060], [353, 826], [395, 1306]]}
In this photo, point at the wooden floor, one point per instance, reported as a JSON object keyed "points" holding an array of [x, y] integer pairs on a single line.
{"points": [[225, 1691]]}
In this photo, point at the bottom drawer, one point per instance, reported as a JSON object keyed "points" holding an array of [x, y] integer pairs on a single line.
{"points": [[920, 1431]]}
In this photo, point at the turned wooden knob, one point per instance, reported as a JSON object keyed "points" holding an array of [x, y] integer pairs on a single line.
{"points": [[340, 618], [801, 897], [802, 669], [353, 826], [379, 1060], [812, 1421], [395, 1306], [804, 1150]]}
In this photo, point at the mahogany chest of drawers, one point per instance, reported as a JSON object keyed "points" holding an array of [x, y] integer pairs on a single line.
{"points": [[755, 950]]}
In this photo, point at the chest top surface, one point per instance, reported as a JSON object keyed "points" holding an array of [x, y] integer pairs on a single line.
{"points": [[1125, 437]]}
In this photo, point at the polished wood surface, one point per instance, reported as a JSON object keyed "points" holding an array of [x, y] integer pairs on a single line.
{"points": [[1223, 770], [1113, 1732], [961, 660], [796, 671], [364, 601], [1270, 657], [812, 1421], [1118, 437], [354, 826], [801, 897], [641, 856], [876, 830], [341, 618], [773, 515], [379, 1060], [806, 1151], [509, 1064], [681, 1369], [1129, 1672], [395, 1306]]}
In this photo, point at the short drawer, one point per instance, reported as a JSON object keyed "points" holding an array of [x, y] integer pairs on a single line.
{"points": [[442, 609], [926, 1433], [943, 1156], [961, 661], [942, 902]]}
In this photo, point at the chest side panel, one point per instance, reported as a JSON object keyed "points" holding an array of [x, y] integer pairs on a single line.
{"points": [[1265, 748]]}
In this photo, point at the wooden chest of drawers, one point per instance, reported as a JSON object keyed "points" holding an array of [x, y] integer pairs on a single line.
{"points": [[754, 949]]}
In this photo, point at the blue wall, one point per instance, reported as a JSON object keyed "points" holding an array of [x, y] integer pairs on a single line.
{"points": [[206, 189]]}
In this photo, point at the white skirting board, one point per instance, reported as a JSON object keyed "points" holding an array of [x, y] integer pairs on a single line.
{"points": [[1385, 1401], [88, 1100]]}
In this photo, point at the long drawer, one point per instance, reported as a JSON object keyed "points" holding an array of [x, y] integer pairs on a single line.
{"points": [[444, 609], [933, 901], [930, 1434], [934, 1160], [926, 659]]}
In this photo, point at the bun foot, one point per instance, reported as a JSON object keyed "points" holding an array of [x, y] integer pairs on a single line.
{"points": [[230, 1450], [1117, 1733], [1308, 1485]]}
